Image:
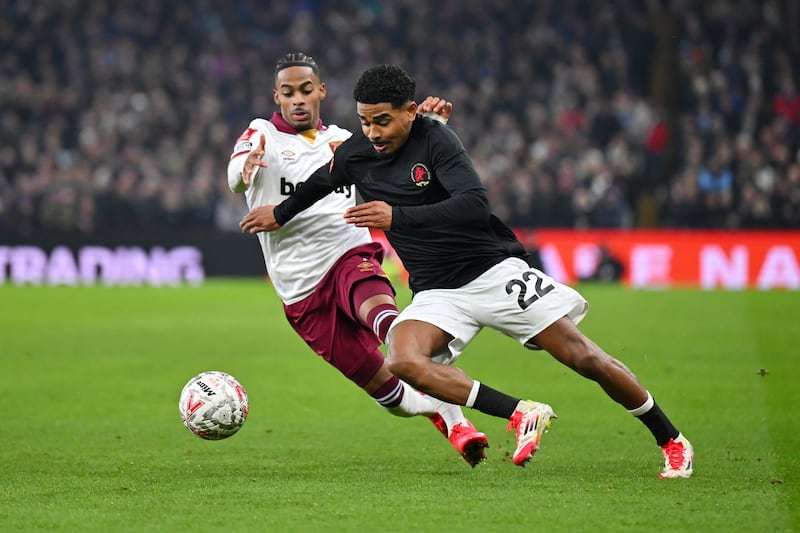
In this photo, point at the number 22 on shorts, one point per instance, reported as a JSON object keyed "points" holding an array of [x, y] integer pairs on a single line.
{"points": [[530, 282]]}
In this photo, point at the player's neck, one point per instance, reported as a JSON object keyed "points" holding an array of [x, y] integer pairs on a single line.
{"points": [[281, 125]]}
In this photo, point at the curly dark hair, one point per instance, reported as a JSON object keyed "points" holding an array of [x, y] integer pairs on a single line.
{"points": [[385, 83], [296, 59]]}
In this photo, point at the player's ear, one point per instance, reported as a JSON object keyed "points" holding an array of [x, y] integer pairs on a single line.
{"points": [[411, 109], [275, 96], [322, 91]]}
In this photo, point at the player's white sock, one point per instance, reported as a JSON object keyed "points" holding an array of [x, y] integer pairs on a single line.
{"points": [[451, 414], [414, 403]]}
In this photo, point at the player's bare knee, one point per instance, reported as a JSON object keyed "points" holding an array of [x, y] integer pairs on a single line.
{"points": [[405, 366]]}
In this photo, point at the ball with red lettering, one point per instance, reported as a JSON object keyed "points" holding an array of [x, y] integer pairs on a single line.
{"points": [[213, 405]]}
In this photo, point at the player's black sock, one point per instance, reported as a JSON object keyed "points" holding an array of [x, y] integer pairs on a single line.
{"points": [[659, 425], [493, 402]]}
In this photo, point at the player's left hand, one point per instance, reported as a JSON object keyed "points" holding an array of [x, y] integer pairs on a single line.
{"points": [[373, 214], [436, 105], [261, 218]]}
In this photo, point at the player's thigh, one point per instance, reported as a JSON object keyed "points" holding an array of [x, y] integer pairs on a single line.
{"points": [[344, 343], [360, 265], [444, 310], [411, 338]]}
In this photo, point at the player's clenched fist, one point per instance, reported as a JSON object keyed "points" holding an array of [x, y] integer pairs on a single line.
{"points": [[253, 161]]}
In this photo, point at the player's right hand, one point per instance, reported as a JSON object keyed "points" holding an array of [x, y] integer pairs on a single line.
{"points": [[261, 218], [374, 214], [253, 161]]}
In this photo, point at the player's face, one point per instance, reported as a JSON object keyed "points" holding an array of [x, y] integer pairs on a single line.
{"points": [[386, 128], [298, 92]]}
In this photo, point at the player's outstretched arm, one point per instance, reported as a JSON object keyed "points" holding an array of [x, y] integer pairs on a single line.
{"points": [[272, 217], [319, 185]]}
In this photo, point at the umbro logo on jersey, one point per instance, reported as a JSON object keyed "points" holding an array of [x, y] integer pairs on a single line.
{"points": [[287, 153], [366, 266], [420, 175]]}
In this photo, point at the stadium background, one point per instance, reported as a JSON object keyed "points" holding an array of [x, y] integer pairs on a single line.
{"points": [[117, 119]]}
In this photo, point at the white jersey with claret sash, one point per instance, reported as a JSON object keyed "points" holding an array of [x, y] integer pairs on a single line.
{"points": [[299, 254]]}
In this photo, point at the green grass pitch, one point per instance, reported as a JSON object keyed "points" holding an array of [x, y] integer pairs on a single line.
{"points": [[91, 439]]}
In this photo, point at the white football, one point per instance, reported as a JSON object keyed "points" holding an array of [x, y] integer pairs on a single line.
{"points": [[213, 405]]}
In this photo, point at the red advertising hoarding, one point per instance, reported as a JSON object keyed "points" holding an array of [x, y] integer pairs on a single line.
{"points": [[650, 259], [662, 259]]}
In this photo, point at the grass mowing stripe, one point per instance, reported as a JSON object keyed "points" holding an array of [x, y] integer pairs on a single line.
{"points": [[776, 341], [93, 441]]}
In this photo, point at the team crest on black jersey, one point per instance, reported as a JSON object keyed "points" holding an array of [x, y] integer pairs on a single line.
{"points": [[420, 175]]}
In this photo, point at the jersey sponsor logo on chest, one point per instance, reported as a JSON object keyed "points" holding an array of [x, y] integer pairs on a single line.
{"points": [[420, 175], [288, 188]]}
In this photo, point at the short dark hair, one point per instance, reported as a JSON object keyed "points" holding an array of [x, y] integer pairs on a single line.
{"points": [[296, 59], [385, 83]]}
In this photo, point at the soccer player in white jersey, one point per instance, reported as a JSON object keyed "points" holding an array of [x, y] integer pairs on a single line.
{"points": [[327, 272]]}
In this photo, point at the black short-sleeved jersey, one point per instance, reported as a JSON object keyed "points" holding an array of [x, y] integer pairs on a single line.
{"points": [[442, 228]]}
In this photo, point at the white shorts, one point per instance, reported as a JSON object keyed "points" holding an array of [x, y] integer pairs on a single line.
{"points": [[511, 297]]}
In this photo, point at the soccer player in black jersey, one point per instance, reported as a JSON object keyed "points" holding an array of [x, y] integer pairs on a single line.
{"points": [[466, 268]]}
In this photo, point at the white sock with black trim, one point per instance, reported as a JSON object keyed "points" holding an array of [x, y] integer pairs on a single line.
{"points": [[413, 403], [646, 406]]}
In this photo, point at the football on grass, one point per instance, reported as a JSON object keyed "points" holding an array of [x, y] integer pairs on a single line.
{"points": [[213, 405]]}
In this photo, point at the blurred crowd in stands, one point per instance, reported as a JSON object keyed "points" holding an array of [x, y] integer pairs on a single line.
{"points": [[577, 113]]}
